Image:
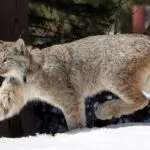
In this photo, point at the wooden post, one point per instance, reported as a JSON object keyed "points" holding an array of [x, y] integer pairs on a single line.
{"points": [[13, 23], [4, 129], [28, 120], [13, 19]]}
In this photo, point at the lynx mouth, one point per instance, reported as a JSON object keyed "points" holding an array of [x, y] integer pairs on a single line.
{"points": [[1, 80]]}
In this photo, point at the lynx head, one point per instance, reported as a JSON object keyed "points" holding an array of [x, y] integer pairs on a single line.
{"points": [[14, 59]]}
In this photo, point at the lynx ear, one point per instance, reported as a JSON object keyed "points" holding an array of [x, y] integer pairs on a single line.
{"points": [[21, 48]]}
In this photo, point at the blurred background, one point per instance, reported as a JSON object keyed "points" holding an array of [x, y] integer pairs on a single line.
{"points": [[43, 23]]}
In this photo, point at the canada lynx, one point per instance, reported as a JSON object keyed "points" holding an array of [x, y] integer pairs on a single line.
{"points": [[63, 75]]}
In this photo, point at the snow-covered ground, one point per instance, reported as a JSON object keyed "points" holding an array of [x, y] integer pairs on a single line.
{"points": [[119, 137]]}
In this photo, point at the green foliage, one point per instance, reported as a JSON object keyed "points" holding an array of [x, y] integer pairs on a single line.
{"points": [[59, 21]]}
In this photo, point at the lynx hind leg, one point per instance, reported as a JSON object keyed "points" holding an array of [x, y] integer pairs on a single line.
{"points": [[131, 100], [11, 100]]}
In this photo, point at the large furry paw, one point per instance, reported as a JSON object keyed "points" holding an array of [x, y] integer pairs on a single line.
{"points": [[107, 111], [75, 121], [11, 100]]}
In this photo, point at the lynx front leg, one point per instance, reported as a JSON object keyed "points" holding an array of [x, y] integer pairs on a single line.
{"points": [[75, 115], [116, 108], [11, 100]]}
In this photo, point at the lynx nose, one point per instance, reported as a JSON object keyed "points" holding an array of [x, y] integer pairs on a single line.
{"points": [[1, 80]]}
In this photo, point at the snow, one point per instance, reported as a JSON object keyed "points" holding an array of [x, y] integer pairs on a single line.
{"points": [[116, 137]]}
